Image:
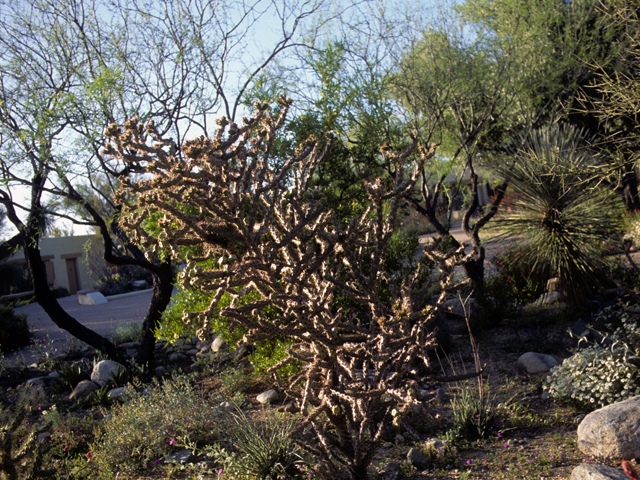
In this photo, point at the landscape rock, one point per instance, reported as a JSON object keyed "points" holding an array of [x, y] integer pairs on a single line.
{"points": [[116, 393], [203, 345], [177, 357], [129, 345], [612, 432], [534, 362], [437, 444], [242, 351], [441, 395], [399, 439], [417, 458], [553, 284], [391, 471], [179, 343], [54, 375], [84, 389], [597, 472], [89, 297], [580, 329], [181, 457], [38, 381], [219, 345], [457, 307], [268, 396], [549, 297], [43, 437], [103, 370], [193, 352]]}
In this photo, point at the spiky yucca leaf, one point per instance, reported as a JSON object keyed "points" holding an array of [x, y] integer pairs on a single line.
{"points": [[556, 215]]}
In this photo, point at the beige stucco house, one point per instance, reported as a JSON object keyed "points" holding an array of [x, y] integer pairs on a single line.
{"points": [[69, 260]]}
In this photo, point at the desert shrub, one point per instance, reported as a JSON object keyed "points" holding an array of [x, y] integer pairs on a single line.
{"points": [[440, 456], [126, 332], [68, 445], [151, 425], [600, 374], [60, 292], [113, 280], [517, 277], [20, 452], [14, 329], [14, 278], [632, 228], [278, 239]]}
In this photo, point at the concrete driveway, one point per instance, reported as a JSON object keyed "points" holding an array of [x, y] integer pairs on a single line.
{"points": [[104, 319]]}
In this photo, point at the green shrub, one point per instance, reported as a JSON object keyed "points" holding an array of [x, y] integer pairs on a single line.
{"points": [[152, 425], [600, 375], [60, 292], [446, 456], [14, 330]]}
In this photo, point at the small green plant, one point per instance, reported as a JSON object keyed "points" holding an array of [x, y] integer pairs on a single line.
{"points": [[72, 374], [119, 378], [447, 456], [264, 447], [127, 332], [475, 410], [235, 380], [45, 351]]}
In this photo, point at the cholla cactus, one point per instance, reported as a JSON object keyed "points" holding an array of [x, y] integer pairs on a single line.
{"points": [[272, 234], [19, 459]]}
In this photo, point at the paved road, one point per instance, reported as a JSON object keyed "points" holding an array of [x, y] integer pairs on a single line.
{"points": [[104, 319]]}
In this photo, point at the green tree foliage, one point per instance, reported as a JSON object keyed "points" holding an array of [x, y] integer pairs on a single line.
{"points": [[560, 50], [67, 71]]}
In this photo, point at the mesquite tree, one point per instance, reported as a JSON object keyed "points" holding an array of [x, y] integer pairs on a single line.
{"points": [[269, 232]]}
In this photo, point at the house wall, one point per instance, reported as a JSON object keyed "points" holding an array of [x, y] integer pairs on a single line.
{"points": [[61, 253]]}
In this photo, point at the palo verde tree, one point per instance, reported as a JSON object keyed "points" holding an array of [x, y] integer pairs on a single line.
{"points": [[459, 89], [266, 231], [68, 69]]}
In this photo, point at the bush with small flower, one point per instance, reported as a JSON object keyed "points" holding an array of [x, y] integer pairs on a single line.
{"points": [[602, 373], [152, 425]]}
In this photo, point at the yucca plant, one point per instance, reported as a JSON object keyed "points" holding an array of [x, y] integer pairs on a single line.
{"points": [[266, 450], [558, 217]]}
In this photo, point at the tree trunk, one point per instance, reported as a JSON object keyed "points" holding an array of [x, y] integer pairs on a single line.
{"points": [[48, 301], [162, 289]]}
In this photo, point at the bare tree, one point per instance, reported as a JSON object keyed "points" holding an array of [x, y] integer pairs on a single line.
{"points": [[67, 70]]}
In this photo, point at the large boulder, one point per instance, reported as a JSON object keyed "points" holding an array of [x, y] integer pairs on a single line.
{"points": [[612, 432], [534, 362], [103, 370], [84, 389], [597, 472]]}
